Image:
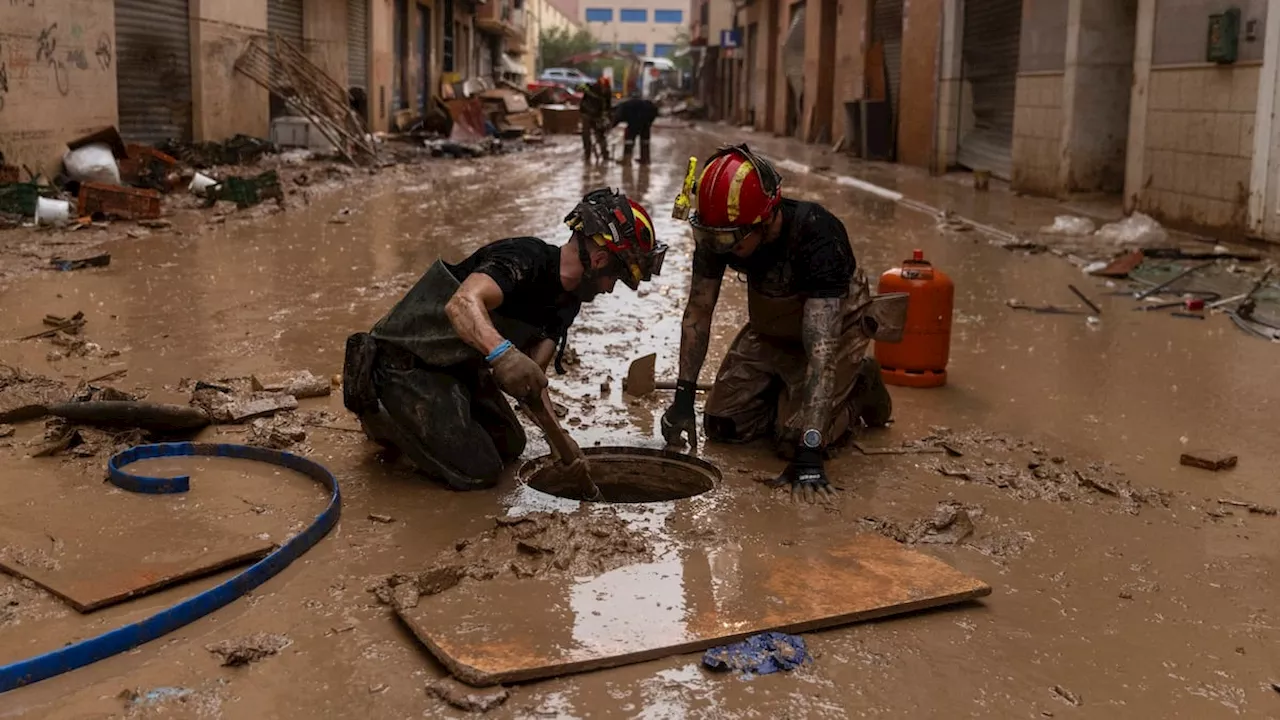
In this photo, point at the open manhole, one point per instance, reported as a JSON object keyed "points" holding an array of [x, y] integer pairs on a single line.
{"points": [[628, 475]]}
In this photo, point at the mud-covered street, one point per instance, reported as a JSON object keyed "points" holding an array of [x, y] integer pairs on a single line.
{"points": [[1121, 586]]}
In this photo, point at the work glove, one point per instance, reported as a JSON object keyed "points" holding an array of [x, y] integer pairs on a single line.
{"points": [[518, 375], [806, 476], [680, 419]]}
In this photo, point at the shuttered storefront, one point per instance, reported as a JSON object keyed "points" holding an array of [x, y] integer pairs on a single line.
{"points": [[358, 43], [153, 70], [992, 30], [888, 29], [284, 18]]}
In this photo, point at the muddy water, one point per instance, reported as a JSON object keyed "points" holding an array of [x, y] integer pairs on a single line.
{"points": [[1164, 613]]}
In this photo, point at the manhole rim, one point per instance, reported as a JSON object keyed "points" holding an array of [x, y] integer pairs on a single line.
{"points": [[529, 468]]}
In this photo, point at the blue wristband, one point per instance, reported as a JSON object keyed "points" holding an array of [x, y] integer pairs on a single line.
{"points": [[503, 346]]}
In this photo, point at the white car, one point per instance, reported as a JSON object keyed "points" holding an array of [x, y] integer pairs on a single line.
{"points": [[565, 76]]}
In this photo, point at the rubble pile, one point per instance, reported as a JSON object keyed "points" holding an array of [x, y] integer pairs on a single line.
{"points": [[1031, 472], [532, 545]]}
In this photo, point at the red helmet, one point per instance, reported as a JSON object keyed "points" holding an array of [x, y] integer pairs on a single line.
{"points": [[623, 227], [738, 190]]}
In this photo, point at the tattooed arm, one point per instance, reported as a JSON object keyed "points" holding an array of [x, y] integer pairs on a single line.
{"points": [[821, 334], [695, 332]]}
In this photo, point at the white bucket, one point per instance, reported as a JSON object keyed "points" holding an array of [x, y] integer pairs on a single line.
{"points": [[200, 183], [52, 212]]}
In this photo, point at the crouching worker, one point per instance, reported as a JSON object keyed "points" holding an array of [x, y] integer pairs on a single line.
{"points": [[797, 373], [428, 379]]}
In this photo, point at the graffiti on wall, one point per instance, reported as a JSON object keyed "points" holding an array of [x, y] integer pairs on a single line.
{"points": [[47, 56]]}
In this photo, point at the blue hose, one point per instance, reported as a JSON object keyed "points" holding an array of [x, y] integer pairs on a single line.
{"points": [[123, 639]]}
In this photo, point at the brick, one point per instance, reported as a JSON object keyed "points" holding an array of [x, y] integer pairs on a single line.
{"points": [[1226, 134], [1244, 89], [1190, 89], [1235, 178], [1246, 136], [1209, 180], [1164, 90], [118, 202], [1163, 169], [1186, 173], [1217, 89]]}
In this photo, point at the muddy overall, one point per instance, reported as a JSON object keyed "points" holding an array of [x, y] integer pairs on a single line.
{"points": [[759, 390], [422, 391]]}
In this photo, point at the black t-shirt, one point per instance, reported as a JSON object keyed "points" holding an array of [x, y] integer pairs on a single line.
{"points": [[813, 259], [635, 112], [527, 270]]}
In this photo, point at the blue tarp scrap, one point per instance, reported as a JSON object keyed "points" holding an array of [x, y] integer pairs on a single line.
{"points": [[759, 654]]}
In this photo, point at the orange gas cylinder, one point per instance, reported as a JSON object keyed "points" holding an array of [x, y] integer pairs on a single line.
{"points": [[920, 360]]}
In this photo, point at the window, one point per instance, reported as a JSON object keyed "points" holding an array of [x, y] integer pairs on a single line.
{"points": [[674, 17], [637, 48], [605, 47], [663, 50], [633, 16], [599, 14]]}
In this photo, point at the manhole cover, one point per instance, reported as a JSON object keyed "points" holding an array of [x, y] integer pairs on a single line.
{"points": [[628, 475]]}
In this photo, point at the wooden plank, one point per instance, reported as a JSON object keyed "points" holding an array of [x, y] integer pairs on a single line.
{"points": [[94, 571], [512, 630]]}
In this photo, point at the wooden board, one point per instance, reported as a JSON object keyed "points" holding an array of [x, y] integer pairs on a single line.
{"points": [[94, 571], [512, 630]]}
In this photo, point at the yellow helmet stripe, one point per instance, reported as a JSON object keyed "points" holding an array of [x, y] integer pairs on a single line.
{"points": [[735, 189]]}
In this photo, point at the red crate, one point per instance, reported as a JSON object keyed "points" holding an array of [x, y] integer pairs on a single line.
{"points": [[118, 202]]}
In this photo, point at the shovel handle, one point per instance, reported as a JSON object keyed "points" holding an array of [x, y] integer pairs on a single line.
{"points": [[556, 436], [669, 385]]}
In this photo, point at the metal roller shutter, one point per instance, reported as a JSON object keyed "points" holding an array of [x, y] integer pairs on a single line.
{"points": [[888, 28], [284, 18], [992, 30], [358, 43], [153, 70]]}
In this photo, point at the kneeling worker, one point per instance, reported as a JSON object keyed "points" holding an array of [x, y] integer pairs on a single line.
{"points": [[796, 372], [426, 379]]}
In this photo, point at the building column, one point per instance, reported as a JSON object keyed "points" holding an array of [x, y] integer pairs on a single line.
{"points": [[225, 102], [324, 34], [918, 102], [1097, 84], [819, 48], [782, 26], [382, 63], [848, 76], [1139, 101], [950, 85], [767, 54], [1262, 181]]}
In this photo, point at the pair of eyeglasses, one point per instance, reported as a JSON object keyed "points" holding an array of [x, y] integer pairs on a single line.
{"points": [[720, 239]]}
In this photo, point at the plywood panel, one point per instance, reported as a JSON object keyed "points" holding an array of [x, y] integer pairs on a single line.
{"points": [[512, 630], [91, 569]]}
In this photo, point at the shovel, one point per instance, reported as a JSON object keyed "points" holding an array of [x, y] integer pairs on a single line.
{"points": [[564, 446], [641, 380]]}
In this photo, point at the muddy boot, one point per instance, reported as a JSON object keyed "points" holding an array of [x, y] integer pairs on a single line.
{"points": [[870, 399]]}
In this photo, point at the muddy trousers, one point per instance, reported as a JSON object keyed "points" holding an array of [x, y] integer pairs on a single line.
{"points": [[452, 424], [629, 141], [593, 131], [759, 391]]}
